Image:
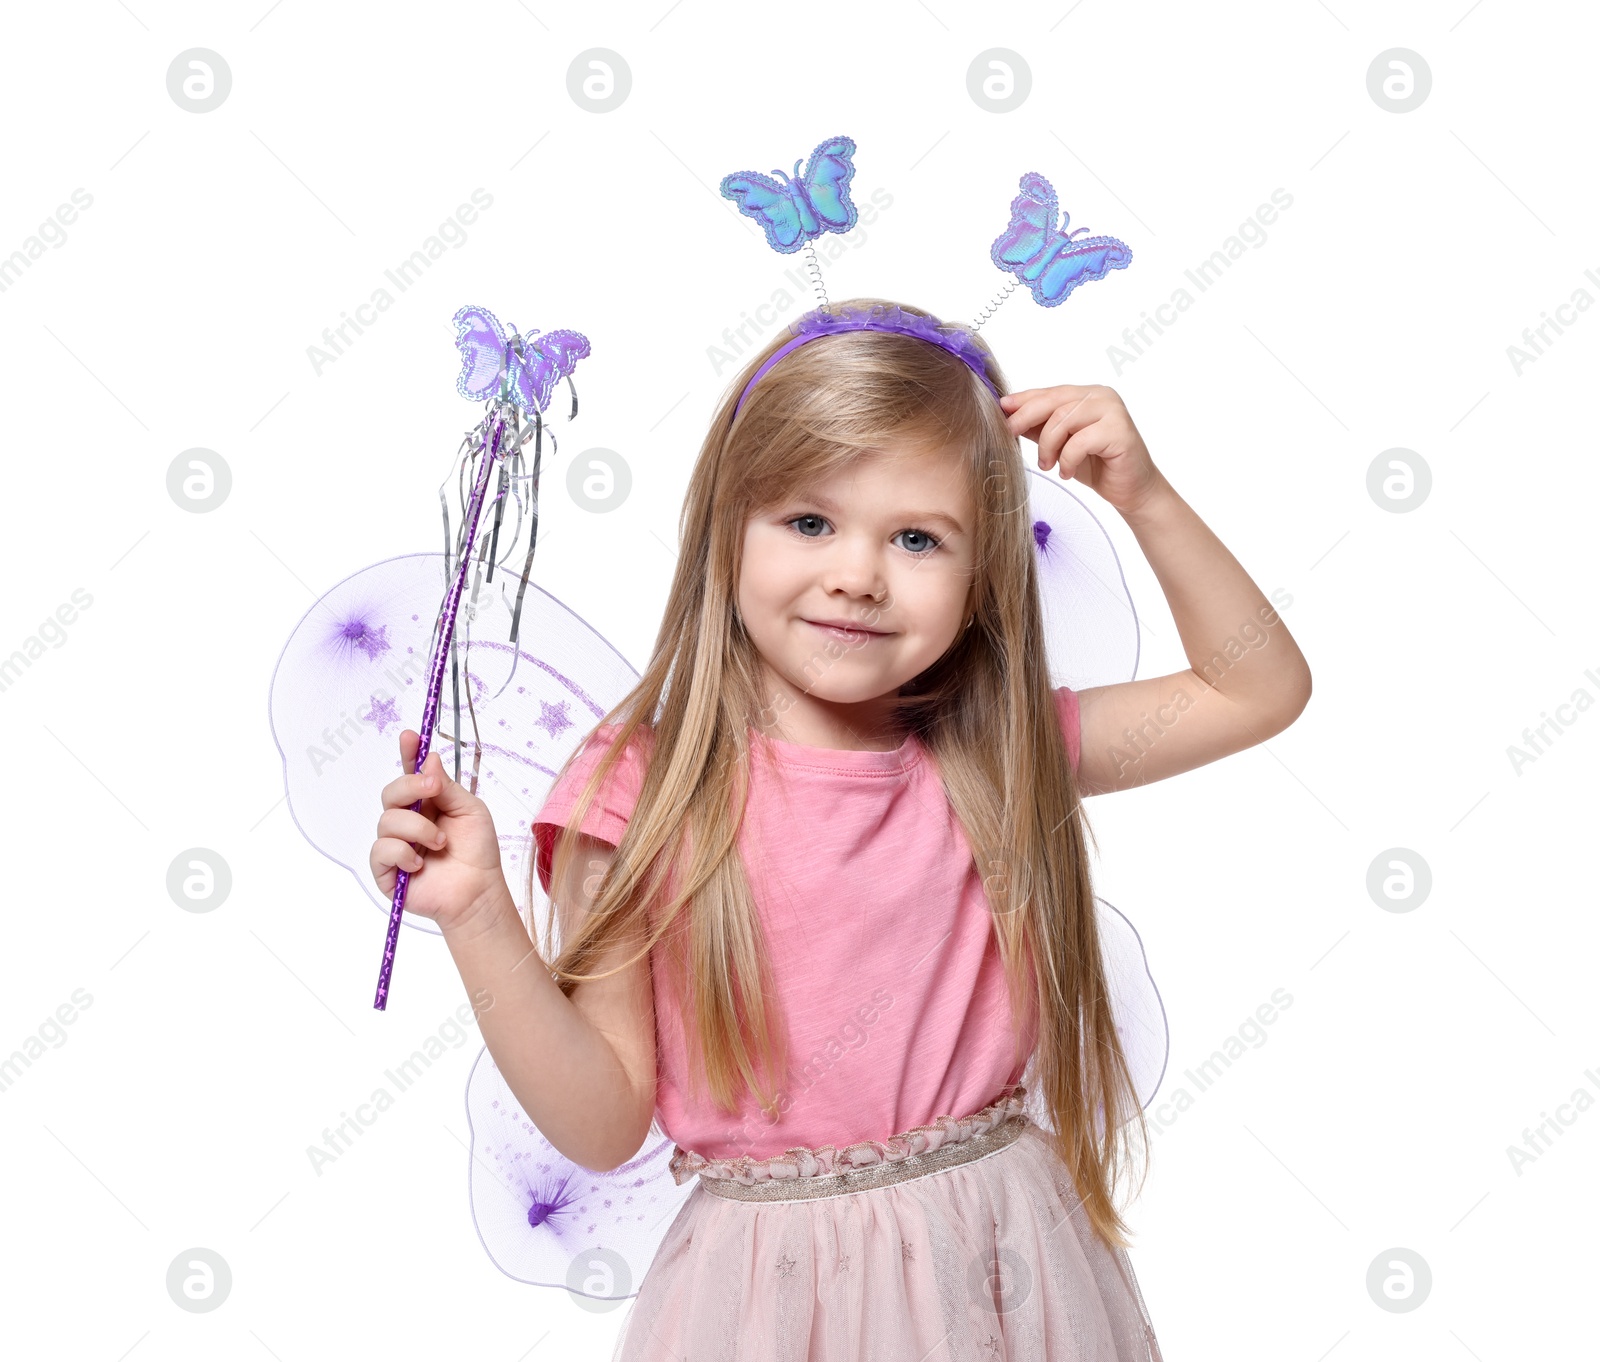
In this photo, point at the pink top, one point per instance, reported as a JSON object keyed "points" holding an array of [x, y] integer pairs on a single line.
{"points": [[887, 975]]}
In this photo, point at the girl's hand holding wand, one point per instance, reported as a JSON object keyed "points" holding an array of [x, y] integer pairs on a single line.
{"points": [[581, 1067], [448, 846]]}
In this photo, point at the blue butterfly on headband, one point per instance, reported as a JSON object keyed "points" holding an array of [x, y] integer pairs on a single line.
{"points": [[536, 365], [794, 210], [1051, 261]]}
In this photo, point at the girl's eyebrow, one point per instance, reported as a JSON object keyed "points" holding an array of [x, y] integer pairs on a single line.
{"points": [[909, 517]]}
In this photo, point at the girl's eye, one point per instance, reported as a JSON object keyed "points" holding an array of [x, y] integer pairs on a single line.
{"points": [[925, 545], [811, 527]]}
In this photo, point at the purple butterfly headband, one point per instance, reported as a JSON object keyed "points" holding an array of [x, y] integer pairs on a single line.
{"points": [[793, 210], [514, 376]]}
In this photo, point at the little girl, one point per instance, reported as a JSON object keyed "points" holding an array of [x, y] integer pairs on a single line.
{"points": [[821, 877]]}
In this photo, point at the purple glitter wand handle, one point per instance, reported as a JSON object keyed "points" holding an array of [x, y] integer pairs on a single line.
{"points": [[430, 709]]}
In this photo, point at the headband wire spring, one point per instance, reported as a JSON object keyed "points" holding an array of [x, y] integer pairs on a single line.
{"points": [[994, 305], [816, 272]]}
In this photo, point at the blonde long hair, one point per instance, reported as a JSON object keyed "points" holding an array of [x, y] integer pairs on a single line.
{"points": [[984, 712]]}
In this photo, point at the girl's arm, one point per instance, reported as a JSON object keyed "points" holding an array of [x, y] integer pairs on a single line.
{"points": [[582, 1067], [1246, 681]]}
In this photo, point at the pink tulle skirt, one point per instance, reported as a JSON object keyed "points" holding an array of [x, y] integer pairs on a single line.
{"points": [[962, 1240]]}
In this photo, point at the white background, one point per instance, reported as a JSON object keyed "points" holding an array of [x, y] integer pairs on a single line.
{"points": [[178, 311]]}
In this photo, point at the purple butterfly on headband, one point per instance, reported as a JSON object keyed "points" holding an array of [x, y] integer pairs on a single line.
{"points": [[793, 211], [536, 365], [1048, 260]]}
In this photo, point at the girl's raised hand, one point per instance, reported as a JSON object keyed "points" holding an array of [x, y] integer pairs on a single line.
{"points": [[448, 846], [1088, 434]]}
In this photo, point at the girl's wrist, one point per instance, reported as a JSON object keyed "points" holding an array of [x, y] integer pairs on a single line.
{"points": [[1157, 499], [488, 911]]}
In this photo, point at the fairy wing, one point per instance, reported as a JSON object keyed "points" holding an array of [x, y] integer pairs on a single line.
{"points": [[773, 205], [350, 676], [550, 1222], [1079, 262], [482, 343], [1092, 639], [1091, 627], [1137, 1013], [827, 184]]}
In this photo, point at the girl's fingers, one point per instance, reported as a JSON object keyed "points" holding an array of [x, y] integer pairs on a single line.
{"points": [[403, 791], [1049, 439], [1029, 414], [1068, 391], [1079, 410], [1076, 450], [1054, 436], [1011, 401], [410, 740], [410, 827], [448, 797], [1078, 407], [390, 854]]}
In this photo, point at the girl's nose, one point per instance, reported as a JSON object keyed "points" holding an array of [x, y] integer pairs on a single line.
{"points": [[856, 570]]}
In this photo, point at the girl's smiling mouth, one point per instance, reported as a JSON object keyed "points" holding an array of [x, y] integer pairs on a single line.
{"points": [[844, 629]]}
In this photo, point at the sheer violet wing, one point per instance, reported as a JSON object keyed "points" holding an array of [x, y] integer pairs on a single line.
{"points": [[352, 675], [1092, 639], [349, 679], [547, 1221]]}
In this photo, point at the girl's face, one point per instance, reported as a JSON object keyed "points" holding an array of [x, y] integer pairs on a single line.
{"points": [[852, 587]]}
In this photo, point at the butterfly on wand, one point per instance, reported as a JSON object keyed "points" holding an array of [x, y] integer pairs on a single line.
{"points": [[531, 368], [1050, 260]]}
